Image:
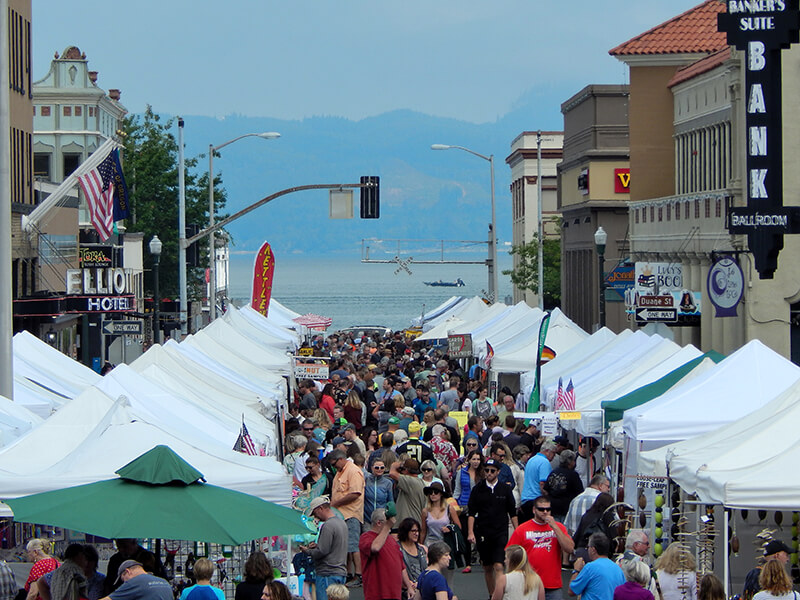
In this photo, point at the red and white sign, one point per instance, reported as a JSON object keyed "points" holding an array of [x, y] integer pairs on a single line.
{"points": [[263, 271]]}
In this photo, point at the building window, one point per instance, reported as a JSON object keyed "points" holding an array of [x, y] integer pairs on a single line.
{"points": [[91, 111], [45, 111], [34, 111], [660, 214], [636, 215], [78, 111], [644, 215], [58, 249], [697, 209], [718, 208], [707, 208], [71, 162], [67, 110], [686, 210], [41, 166], [677, 212], [669, 212], [652, 214]]}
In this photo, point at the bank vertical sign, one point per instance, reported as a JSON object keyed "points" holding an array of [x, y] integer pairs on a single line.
{"points": [[762, 28]]}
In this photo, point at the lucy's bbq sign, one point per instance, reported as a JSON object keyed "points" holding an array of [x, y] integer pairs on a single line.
{"points": [[762, 28]]}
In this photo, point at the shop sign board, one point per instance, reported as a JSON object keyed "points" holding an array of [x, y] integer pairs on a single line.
{"points": [[762, 29], [316, 371], [725, 286], [459, 345]]}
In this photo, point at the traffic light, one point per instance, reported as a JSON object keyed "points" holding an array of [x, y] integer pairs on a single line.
{"points": [[370, 198], [192, 253]]}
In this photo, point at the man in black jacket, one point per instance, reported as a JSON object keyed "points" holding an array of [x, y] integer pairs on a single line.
{"points": [[491, 505]]}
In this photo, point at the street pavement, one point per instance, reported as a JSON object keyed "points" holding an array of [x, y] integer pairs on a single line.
{"points": [[467, 586]]}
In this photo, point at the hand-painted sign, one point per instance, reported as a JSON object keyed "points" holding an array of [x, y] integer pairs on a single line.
{"points": [[725, 286]]}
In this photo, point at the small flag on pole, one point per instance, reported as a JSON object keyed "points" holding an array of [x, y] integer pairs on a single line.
{"points": [[489, 355], [569, 397], [244, 443], [560, 395]]}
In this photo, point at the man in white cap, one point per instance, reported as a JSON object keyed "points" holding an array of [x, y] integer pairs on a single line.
{"points": [[330, 550], [138, 584]]}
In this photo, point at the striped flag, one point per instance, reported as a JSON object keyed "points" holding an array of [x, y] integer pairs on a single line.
{"points": [[569, 396], [244, 443], [560, 395], [97, 186], [489, 355]]}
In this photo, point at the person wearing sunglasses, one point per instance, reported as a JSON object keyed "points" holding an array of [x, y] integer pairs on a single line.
{"points": [[491, 505], [544, 540]]}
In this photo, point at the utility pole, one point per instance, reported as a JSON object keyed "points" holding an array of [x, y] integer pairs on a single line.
{"points": [[6, 288]]}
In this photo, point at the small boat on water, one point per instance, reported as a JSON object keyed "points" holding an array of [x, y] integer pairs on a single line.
{"points": [[440, 283]]}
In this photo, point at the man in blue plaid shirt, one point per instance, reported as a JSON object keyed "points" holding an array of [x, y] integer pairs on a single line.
{"points": [[581, 503]]}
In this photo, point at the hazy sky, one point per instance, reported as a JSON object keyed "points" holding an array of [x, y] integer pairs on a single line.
{"points": [[466, 59]]}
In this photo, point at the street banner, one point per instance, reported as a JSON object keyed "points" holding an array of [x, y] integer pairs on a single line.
{"points": [[535, 400], [263, 271]]}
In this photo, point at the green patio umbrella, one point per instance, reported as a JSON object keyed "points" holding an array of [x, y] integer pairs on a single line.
{"points": [[159, 495]]}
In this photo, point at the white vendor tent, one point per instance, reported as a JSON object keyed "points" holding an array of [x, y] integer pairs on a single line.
{"points": [[517, 353], [110, 434], [742, 382], [572, 358], [226, 335], [15, 420], [654, 364], [238, 356], [746, 463], [272, 327], [617, 358], [45, 365], [442, 330], [469, 309], [442, 309], [505, 326]]}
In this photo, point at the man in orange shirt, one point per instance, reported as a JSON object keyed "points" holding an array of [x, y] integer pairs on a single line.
{"points": [[347, 495]]}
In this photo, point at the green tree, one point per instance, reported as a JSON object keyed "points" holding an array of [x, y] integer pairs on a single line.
{"points": [[526, 274], [151, 171]]}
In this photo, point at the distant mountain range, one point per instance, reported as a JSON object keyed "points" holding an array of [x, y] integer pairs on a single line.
{"points": [[425, 194]]}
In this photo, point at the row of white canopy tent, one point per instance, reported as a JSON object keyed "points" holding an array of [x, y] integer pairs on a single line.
{"points": [[725, 432], [192, 396], [512, 332]]}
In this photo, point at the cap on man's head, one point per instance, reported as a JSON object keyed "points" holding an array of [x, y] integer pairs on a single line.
{"points": [[491, 462], [561, 440], [317, 502], [394, 421], [413, 428], [338, 440], [776, 546], [350, 427], [127, 564], [372, 367], [404, 379], [408, 411]]}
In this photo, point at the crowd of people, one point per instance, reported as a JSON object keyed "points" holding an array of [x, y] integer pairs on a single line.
{"points": [[407, 494]]}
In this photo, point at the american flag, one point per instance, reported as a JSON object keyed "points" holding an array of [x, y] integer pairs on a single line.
{"points": [[97, 186], [560, 395], [569, 397], [244, 443]]}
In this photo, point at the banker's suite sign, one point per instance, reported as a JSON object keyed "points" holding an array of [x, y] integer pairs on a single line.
{"points": [[762, 28]]}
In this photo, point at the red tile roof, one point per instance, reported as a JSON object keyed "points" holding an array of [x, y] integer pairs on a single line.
{"points": [[701, 66], [690, 32]]}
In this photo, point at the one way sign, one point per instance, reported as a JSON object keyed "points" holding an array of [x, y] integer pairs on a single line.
{"points": [[651, 315], [122, 327]]}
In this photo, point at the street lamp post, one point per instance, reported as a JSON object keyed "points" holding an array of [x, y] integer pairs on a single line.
{"points": [[493, 291], [600, 239], [212, 249], [155, 250]]}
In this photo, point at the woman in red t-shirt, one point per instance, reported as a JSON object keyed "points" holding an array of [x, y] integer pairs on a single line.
{"points": [[43, 563]]}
